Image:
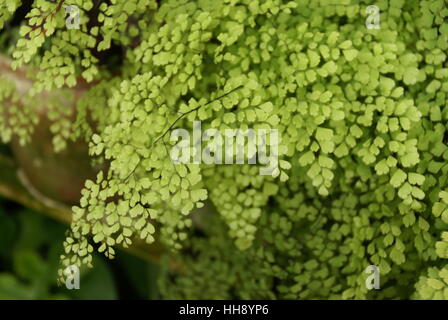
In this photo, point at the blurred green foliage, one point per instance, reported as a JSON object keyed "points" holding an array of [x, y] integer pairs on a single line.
{"points": [[30, 246]]}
